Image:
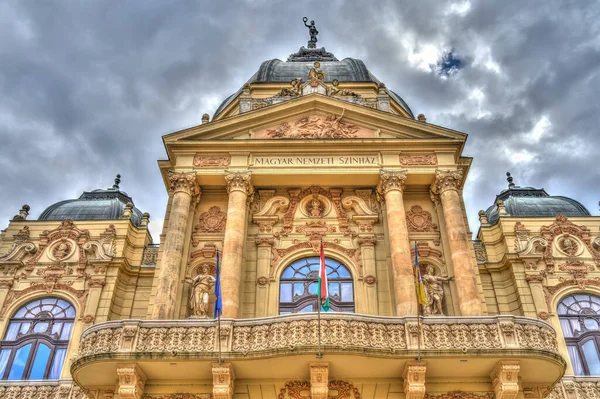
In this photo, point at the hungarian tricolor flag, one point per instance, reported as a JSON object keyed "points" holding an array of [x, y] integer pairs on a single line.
{"points": [[323, 290]]}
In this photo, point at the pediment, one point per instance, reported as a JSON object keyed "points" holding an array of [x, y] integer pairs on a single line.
{"points": [[314, 117]]}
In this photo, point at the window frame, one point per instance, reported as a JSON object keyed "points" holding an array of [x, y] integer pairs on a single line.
{"points": [[307, 299], [51, 340], [583, 335]]}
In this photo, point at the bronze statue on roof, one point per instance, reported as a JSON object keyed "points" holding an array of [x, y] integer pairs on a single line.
{"points": [[312, 31]]}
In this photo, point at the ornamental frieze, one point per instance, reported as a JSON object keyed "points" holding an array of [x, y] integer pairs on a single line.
{"points": [[204, 160], [301, 390], [418, 160], [298, 333], [327, 126]]}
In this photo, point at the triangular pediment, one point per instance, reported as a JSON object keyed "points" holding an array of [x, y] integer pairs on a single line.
{"points": [[315, 117]]}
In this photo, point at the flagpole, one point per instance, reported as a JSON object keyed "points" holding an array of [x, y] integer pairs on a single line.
{"points": [[319, 354], [218, 305], [219, 336]]}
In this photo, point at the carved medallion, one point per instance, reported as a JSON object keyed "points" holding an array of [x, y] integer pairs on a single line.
{"points": [[419, 220], [370, 280], [212, 221], [61, 250], [568, 245]]}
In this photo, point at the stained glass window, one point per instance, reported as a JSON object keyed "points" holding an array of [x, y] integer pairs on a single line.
{"points": [[579, 316], [298, 287], [36, 340]]}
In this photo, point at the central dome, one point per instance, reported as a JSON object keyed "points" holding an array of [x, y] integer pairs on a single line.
{"points": [[298, 66]]}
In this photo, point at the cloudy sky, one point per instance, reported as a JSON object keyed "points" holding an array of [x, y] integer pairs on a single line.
{"points": [[87, 89]]}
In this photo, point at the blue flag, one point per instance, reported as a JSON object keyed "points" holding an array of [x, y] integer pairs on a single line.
{"points": [[219, 300]]}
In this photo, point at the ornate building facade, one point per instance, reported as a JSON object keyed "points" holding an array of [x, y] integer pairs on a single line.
{"points": [[309, 150]]}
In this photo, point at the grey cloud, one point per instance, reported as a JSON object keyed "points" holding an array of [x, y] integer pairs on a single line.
{"points": [[89, 88]]}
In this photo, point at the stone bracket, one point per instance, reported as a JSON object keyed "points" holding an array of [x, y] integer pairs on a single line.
{"points": [[319, 380], [414, 380], [131, 381], [223, 380], [505, 379]]}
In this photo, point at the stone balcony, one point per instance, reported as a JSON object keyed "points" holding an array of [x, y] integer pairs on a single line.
{"points": [[356, 346]]}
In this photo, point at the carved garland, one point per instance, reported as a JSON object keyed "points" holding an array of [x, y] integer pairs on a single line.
{"points": [[301, 390]]}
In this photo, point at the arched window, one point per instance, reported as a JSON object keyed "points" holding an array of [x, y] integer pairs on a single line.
{"points": [[298, 287], [35, 343], [579, 316]]}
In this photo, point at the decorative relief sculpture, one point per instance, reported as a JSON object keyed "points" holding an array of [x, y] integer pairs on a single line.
{"points": [[315, 127], [335, 91], [239, 181], [418, 160], [212, 221], [316, 75], [578, 269], [434, 291], [419, 220], [568, 245], [180, 396], [316, 230], [201, 286], [204, 160], [294, 91], [302, 390], [460, 395], [562, 226]]}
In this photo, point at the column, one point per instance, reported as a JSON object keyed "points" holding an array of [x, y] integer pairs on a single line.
{"points": [[414, 380], [185, 190], [505, 379], [391, 186], [446, 185], [263, 264], [223, 379], [367, 250], [239, 188]]}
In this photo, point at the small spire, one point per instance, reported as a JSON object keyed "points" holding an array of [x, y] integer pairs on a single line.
{"points": [[510, 180], [117, 181]]}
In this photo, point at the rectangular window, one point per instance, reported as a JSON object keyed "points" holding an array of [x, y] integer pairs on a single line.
{"points": [[575, 360], [591, 357], [39, 363], [57, 363], [19, 362]]}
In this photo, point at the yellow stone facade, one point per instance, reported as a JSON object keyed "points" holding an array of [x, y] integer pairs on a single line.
{"points": [[268, 179]]}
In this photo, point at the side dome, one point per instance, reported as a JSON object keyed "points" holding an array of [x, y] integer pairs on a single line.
{"points": [[101, 204], [533, 202]]}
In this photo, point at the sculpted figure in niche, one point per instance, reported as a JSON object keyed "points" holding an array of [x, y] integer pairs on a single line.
{"points": [[434, 291], [202, 284]]}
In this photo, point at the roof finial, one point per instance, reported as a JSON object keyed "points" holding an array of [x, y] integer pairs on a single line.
{"points": [[117, 181], [312, 31], [510, 180]]}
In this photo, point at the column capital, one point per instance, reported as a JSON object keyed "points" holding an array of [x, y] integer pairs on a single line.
{"points": [[505, 379], [319, 380], [239, 181], [223, 378], [391, 180], [446, 180], [131, 381], [414, 380], [184, 182]]}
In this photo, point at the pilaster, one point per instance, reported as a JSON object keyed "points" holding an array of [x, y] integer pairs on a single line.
{"points": [[131, 381], [505, 379], [223, 380], [319, 380], [414, 380]]}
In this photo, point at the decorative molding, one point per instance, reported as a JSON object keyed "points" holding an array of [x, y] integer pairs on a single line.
{"points": [[262, 280], [370, 280], [150, 256], [302, 390], [419, 220], [562, 226], [49, 287], [578, 269], [205, 160], [391, 180], [180, 396], [418, 160], [480, 252], [46, 391], [446, 180], [316, 230], [212, 221]]}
